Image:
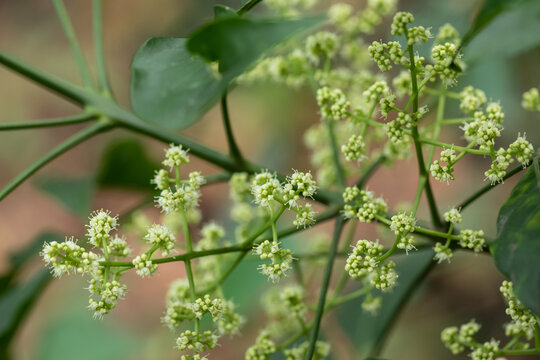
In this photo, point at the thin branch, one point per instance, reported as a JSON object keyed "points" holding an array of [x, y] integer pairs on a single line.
{"points": [[324, 288], [418, 147], [234, 151], [488, 187], [97, 26], [63, 121], [63, 16], [76, 139], [50, 82], [247, 6]]}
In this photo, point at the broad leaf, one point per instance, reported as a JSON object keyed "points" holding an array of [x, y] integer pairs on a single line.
{"points": [[125, 164], [75, 194], [169, 85], [20, 258], [236, 42], [368, 331], [15, 304], [517, 247], [489, 10], [174, 87], [516, 32]]}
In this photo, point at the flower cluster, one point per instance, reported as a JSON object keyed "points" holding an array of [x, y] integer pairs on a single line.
{"points": [[523, 320], [443, 169], [333, 103], [281, 260], [520, 328], [267, 190], [384, 54], [262, 349], [472, 239], [323, 45], [362, 204], [355, 149], [363, 262], [402, 224], [67, 257], [471, 100], [177, 195], [531, 100]]}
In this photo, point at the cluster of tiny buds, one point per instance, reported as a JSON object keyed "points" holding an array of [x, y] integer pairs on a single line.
{"points": [[402, 224], [65, 257], [323, 45], [522, 318], [362, 204], [175, 156], [333, 103], [355, 149], [522, 325], [160, 237], [100, 225], [531, 100], [266, 189], [143, 265], [196, 341], [184, 195], [453, 216], [281, 260], [472, 239], [443, 169], [262, 349], [364, 262]]}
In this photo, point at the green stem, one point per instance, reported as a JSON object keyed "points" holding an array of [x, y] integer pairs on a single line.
{"points": [[345, 275], [108, 108], [456, 120], [438, 121], [76, 139], [247, 6], [68, 120], [335, 153], [456, 147], [51, 82], [421, 185], [420, 230], [234, 151], [418, 146], [518, 352], [63, 16], [488, 187], [324, 288], [187, 263], [97, 26]]}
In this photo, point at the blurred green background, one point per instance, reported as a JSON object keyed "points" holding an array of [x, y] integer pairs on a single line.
{"points": [[268, 120]]}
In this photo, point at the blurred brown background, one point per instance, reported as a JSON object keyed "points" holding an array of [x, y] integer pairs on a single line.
{"points": [[502, 61]]}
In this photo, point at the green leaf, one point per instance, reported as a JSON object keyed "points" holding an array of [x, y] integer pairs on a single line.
{"points": [[74, 194], [221, 11], [489, 10], [169, 85], [516, 32], [236, 42], [125, 164], [368, 331], [15, 303], [516, 249], [173, 87]]}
